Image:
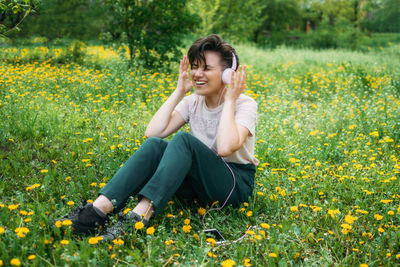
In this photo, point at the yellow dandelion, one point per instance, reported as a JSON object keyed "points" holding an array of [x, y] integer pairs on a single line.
{"points": [[378, 217], [250, 232], [332, 213], [15, 262], [249, 213], [265, 225], [350, 219], [139, 225], [186, 228], [210, 240], [58, 224], [169, 242], [13, 207], [94, 240], [273, 255], [187, 221], [67, 222], [44, 171], [228, 263], [247, 262], [70, 203], [31, 257], [64, 242], [315, 208], [118, 242], [150, 230], [211, 255], [2, 230], [21, 231], [126, 210], [294, 209]]}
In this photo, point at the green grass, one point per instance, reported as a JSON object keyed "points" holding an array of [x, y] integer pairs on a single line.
{"points": [[327, 140]]}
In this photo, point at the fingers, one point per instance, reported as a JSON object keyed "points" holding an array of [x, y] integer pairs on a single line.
{"points": [[184, 64], [238, 79], [243, 77]]}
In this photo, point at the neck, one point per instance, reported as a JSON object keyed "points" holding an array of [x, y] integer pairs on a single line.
{"points": [[214, 101]]}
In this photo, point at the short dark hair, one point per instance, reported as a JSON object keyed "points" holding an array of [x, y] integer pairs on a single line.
{"points": [[212, 43]]}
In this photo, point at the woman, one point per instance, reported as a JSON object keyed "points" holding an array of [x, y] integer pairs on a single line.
{"points": [[214, 162]]}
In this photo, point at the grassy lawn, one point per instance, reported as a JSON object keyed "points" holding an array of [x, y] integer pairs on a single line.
{"points": [[327, 187]]}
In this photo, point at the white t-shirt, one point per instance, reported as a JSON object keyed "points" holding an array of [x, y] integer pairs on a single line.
{"points": [[204, 123]]}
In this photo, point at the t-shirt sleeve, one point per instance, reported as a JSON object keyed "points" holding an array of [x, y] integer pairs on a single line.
{"points": [[246, 114], [183, 108]]}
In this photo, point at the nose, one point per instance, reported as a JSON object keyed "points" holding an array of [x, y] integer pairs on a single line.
{"points": [[198, 72]]}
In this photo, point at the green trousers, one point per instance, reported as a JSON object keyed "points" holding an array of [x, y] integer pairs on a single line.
{"points": [[184, 167]]}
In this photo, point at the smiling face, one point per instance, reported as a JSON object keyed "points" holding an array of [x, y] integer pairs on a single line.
{"points": [[206, 77]]}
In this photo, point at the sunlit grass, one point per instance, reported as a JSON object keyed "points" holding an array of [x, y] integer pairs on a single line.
{"points": [[327, 140]]}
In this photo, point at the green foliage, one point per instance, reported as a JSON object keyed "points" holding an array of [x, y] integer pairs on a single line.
{"points": [[56, 19], [340, 35], [327, 139], [279, 16], [12, 13], [238, 20], [381, 16], [151, 29], [207, 11]]}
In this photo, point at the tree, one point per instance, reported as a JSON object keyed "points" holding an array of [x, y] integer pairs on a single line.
{"points": [[238, 19], [279, 16], [152, 29], [207, 12], [12, 14], [381, 15], [78, 19]]}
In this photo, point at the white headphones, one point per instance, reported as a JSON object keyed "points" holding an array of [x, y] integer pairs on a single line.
{"points": [[227, 74]]}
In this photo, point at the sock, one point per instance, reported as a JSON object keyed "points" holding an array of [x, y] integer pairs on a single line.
{"points": [[99, 212]]}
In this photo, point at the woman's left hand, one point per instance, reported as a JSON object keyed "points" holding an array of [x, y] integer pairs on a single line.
{"points": [[237, 85]]}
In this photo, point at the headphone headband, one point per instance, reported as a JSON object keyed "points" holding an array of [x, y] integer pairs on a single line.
{"points": [[233, 61]]}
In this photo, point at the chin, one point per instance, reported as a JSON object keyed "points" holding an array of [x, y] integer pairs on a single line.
{"points": [[200, 91]]}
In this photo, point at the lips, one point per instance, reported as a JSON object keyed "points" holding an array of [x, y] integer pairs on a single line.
{"points": [[200, 83]]}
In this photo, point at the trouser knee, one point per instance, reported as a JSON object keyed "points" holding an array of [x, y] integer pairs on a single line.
{"points": [[181, 137], [153, 142]]}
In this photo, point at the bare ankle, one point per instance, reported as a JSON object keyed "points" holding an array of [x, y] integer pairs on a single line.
{"points": [[103, 204], [144, 208]]}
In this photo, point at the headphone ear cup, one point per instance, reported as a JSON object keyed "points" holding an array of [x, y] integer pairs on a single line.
{"points": [[226, 76]]}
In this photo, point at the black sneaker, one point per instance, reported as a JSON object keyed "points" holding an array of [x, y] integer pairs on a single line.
{"points": [[124, 223], [85, 218]]}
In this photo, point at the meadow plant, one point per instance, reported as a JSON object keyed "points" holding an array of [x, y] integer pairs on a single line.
{"points": [[327, 139]]}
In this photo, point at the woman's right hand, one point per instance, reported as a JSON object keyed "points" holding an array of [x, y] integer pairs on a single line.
{"points": [[184, 83]]}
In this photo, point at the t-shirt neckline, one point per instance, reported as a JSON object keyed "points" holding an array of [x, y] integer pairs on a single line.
{"points": [[218, 108]]}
